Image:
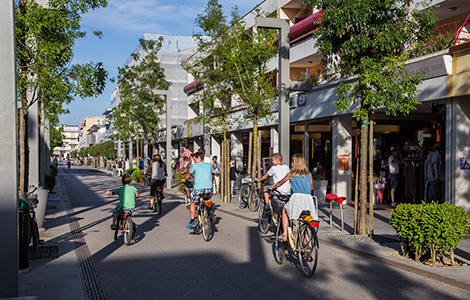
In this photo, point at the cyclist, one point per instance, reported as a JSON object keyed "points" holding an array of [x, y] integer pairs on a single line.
{"points": [[202, 173], [278, 171], [127, 195], [158, 169], [188, 185], [302, 188]]}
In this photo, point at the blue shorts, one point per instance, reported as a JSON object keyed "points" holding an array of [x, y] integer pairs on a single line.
{"points": [[118, 210], [195, 194], [393, 181]]}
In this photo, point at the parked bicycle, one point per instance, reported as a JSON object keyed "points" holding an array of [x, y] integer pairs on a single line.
{"points": [[302, 240], [204, 216], [32, 200], [126, 226], [249, 195]]}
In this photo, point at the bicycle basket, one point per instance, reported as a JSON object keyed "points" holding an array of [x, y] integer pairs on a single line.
{"points": [[247, 180], [278, 202]]}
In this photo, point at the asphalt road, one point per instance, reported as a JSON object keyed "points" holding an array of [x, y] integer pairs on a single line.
{"points": [[167, 262]]}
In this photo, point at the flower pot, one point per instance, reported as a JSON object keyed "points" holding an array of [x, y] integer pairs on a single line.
{"points": [[319, 190]]}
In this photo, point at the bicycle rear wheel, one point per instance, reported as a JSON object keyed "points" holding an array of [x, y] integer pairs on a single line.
{"points": [[128, 231], [33, 239], [243, 196], [308, 254], [263, 219], [280, 246], [253, 199], [118, 224], [206, 225], [158, 204]]}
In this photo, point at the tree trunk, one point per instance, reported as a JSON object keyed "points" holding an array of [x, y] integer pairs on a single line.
{"points": [[371, 179], [24, 148], [356, 194], [363, 177], [250, 152], [255, 147]]}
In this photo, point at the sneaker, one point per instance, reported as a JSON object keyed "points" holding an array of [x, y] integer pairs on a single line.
{"points": [[113, 226], [190, 225]]}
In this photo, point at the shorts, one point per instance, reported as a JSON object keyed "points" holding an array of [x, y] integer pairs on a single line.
{"points": [[118, 210], [393, 181], [195, 194], [154, 184]]}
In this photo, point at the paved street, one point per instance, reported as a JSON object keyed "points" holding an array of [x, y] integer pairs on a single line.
{"points": [[167, 262]]}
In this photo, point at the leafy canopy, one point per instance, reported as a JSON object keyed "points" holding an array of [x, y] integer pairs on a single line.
{"points": [[55, 135], [371, 40], [140, 109]]}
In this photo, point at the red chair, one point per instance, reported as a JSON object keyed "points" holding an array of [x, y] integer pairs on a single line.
{"points": [[340, 200]]}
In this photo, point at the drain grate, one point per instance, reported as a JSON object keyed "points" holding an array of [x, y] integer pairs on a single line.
{"points": [[51, 207], [48, 252], [365, 239]]}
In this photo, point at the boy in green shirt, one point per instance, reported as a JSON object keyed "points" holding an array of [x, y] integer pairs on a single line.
{"points": [[127, 195]]}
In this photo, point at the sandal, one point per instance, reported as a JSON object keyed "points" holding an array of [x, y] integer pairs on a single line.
{"points": [[283, 237], [151, 208]]}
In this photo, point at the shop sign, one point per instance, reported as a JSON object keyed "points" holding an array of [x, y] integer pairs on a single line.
{"points": [[190, 129], [343, 162], [433, 67], [464, 159]]}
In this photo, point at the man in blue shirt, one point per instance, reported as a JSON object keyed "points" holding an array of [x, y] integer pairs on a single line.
{"points": [[202, 173]]}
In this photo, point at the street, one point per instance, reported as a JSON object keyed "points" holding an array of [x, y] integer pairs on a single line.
{"points": [[166, 261]]}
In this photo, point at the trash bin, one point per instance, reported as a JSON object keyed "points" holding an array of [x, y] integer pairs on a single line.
{"points": [[23, 245]]}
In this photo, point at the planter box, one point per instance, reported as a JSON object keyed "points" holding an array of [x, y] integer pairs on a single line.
{"points": [[319, 190]]}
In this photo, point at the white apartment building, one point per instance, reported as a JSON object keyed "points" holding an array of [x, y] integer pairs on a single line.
{"points": [[69, 141]]}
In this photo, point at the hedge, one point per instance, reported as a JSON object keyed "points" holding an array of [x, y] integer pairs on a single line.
{"points": [[137, 175], [430, 229]]}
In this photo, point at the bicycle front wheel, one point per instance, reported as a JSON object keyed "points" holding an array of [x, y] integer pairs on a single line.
{"points": [[206, 225], [128, 231], [243, 196], [33, 239], [263, 219], [253, 200], [198, 220], [308, 252], [280, 246]]}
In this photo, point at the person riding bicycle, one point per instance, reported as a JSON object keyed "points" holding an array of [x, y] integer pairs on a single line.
{"points": [[158, 169], [278, 171], [302, 188], [202, 173], [127, 195]]}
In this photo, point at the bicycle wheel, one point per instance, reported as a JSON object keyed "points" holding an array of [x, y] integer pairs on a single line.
{"points": [[243, 197], [253, 200], [308, 253], [263, 219], [206, 225], [33, 239], [118, 224], [128, 231], [158, 204], [280, 246], [198, 220]]}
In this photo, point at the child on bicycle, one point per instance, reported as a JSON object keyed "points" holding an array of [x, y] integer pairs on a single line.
{"points": [[302, 189], [202, 173], [278, 171], [127, 195]]}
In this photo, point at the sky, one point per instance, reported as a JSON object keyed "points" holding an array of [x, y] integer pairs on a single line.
{"points": [[123, 23]]}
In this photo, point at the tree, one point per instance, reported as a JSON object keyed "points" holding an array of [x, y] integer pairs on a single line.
{"points": [[45, 37], [371, 39], [56, 136], [139, 112]]}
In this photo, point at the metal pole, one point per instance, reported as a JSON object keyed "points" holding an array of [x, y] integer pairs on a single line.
{"points": [[283, 81], [168, 134], [9, 153]]}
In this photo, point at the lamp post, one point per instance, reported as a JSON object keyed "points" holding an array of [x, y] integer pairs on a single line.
{"points": [[167, 94]]}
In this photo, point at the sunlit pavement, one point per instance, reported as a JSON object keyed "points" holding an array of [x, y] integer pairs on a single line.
{"points": [[166, 261]]}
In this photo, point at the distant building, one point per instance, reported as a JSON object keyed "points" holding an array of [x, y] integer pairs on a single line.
{"points": [[87, 137], [69, 141]]}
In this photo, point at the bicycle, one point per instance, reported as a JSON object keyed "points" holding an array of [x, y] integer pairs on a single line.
{"points": [[303, 241], [265, 217], [249, 194], [32, 200], [157, 205], [244, 192], [204, 216], [126, 226]]}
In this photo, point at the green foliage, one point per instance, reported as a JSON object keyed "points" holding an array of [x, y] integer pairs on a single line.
{"points": [[318, 177], [436, 43], [137, 175], [74, 154], [105, 149], [429, 228], [178, 178], [130, 171], [56, 136], [49, 182], [141, 107], [54, 170]]}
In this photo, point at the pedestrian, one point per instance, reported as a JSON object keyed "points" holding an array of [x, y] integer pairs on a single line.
{"points": [[233, 175], [120, 169], [216, 167], [394, 166], [134, 163]]}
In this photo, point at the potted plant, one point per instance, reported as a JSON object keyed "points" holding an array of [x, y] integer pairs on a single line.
{"points": [[319, 188]]}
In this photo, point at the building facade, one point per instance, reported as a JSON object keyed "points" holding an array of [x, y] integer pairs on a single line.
{"points": [[69, 141]]}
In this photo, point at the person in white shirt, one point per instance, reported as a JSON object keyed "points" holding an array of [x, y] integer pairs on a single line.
{"points": [[278, 171], [206, 159], [394, 167]]}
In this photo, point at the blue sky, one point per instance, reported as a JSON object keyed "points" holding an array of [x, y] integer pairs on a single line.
{"points": [[123, 22]]}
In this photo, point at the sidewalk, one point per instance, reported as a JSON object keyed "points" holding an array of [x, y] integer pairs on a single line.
{"points": [[59, 276]]}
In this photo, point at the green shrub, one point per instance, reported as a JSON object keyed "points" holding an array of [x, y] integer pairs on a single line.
{"points": [[430, 228], [54, 171], [130, 171], [137, 175], [178, 178], [49, 182]]}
